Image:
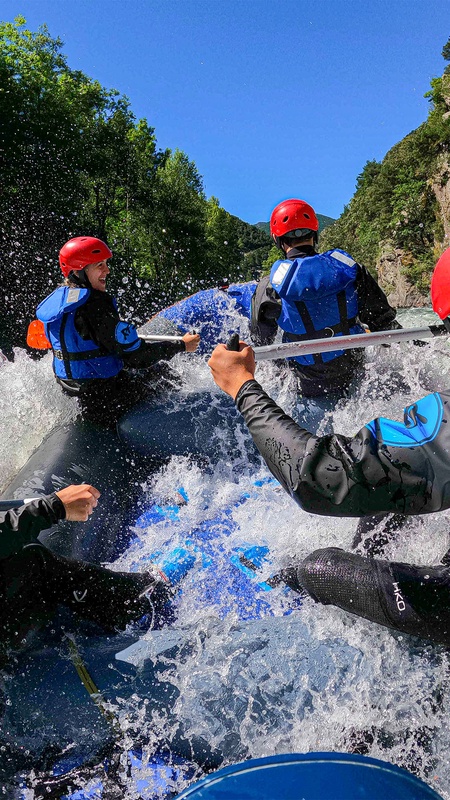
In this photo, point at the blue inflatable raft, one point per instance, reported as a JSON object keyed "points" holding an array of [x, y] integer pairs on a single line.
{"points": [[71, 728], [311, 776]]}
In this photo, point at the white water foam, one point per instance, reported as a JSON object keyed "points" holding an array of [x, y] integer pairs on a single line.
{"points": [[31, 404], [319, 679]]}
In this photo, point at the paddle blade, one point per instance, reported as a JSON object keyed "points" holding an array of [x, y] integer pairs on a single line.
{"points": [[440, 286], [36, 337]]}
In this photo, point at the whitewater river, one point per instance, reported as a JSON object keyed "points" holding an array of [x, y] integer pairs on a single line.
{"points": [[318, 679]]}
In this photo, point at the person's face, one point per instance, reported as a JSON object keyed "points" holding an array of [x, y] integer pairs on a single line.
{"points": [[97, 274]]}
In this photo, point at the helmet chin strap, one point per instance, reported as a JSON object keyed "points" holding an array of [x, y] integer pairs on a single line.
{"points": [[79, 277], [285, 243]]}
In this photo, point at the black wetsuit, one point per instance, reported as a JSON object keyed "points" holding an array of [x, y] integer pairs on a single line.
{"points": [[97, 320], [333, 376], [343, 476], [34, 581], [408, 598]]}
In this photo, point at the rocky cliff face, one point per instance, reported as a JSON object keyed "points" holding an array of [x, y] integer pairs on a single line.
{"points": [[393, 261], [390, 268], [440, 183]]}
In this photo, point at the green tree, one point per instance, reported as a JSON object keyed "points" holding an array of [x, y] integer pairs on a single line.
{"points": [[51, 123], [223, 243], [74, 160]]}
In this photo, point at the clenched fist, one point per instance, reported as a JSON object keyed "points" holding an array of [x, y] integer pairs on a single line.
{"points": [[79, 501], [191, 342], [231, 369]]}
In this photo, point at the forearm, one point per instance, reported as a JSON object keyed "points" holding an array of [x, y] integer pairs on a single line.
{"points": [[281, 442], [329, 475], [99, 320], [375, 310], [320, 473], [21, 526], [148, 354]]}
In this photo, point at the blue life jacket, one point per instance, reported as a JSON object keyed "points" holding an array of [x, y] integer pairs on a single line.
{"points": [[73, 357], [318, 299]]}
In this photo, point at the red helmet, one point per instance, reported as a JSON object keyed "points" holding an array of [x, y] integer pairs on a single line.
{"points": [[440, 286], [293, 216], [78, 253]]}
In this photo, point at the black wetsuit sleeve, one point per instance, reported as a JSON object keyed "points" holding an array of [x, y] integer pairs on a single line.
{"points": [[149, 353], [374, 309], [21, 526], [98, 318], [265, 310], [342, 476]]}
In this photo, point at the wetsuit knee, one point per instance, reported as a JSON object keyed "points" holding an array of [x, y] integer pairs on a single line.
{"points": [[417, 599], [24, 571], [26, 602], [349, 581]]}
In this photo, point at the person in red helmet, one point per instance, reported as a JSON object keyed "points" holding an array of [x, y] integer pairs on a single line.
{"points": [[311, 295], [91, 344]]}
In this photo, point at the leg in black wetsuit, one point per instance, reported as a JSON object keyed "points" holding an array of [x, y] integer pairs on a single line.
{"points": [[338, 377], [35, 581], [415, 600], [375, 532]]}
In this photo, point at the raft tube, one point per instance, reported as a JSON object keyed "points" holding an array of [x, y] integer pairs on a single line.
{"points": [[311, 776], [213, 313]]}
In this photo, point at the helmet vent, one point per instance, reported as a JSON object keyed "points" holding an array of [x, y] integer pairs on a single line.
{"points": [[306, 215], [285, 219], [95, 251]]}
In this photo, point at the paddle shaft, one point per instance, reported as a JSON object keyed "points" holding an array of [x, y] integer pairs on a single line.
{"points": [[160, 338], [7, 505], [354, 340]]}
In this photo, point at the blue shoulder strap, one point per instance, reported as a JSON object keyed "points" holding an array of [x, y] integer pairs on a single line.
{"points": [[281, 274], [63, 300]]}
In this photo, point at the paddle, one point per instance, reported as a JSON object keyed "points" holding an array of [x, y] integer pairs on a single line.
{"points": [[7, 505], [160, 338], [354, 340]]}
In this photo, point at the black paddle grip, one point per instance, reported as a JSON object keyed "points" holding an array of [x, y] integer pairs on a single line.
{"points": [[233, 342]]}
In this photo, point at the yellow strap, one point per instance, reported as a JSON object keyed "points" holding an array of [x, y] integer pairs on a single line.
{"points": [[89, 684]]}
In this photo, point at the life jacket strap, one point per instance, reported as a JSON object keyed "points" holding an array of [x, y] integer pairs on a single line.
{"points": [[342, 327], [82, 356]]}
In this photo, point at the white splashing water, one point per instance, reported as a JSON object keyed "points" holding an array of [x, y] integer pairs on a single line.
{"points": [[318, 679], [31, 404]]}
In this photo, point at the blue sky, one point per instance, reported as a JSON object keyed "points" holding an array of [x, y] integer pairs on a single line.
{"points": [[270, 98]]}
